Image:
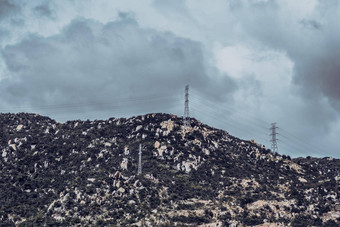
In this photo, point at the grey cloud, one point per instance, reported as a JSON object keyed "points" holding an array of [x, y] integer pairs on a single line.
{"points": [[315, 55], [17, 22], [9, 11], [7, 8], [176, 10], [174, 6], [43, 10], [310, 24], [312, 44], [3, 34], [90, 62], [235, 5]]}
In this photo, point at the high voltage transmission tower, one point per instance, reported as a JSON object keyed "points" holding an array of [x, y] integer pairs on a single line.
{"points": [[140, 160], [274, 139], [186, 117]]}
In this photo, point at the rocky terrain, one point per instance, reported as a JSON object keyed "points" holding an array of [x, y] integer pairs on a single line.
{"points": [[84, 173]]}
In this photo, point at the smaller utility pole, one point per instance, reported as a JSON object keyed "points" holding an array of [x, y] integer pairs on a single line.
{"points": [[274, 139], [140, 159], [186, 117]]}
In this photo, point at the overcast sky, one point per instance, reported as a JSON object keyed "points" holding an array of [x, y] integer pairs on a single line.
{"points": [[248, 63]]}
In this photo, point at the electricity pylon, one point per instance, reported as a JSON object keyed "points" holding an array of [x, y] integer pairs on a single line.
{"points": [[274, 139], [186, 117]]}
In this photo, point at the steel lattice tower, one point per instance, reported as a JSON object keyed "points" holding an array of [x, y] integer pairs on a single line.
{"points": [[186, 117], [274, 139], [140, 160]]}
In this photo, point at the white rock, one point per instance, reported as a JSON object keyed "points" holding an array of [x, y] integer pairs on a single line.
{"points": [[13, 146], [197, 142], [157, 144], [131, 202], [116, 183], [19, 127], [124, 163], [126, 150], [51, 205], [302, 180], [169, 124], [91, 179], [186, 166], [121, 190], [206, 151], [117, 174], [107, 144], [161, 150], [216, 144], [138, 127]]}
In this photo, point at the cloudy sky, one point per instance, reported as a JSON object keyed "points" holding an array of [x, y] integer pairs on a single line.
{"points": [[248, 63]]}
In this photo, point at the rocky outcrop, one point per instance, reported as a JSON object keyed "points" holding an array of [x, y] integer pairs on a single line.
{"points": [[84, 173]]}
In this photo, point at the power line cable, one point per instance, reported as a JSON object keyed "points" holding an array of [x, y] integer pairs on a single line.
{"points": [[245, 123], [117, 103], [231, 114], [212, 115], [301, 140]]}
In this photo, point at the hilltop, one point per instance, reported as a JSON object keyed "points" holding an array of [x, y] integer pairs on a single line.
{"points": [[84, 173]]}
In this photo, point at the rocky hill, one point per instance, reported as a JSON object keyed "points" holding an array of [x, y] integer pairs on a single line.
{"points": [[84, 173]]}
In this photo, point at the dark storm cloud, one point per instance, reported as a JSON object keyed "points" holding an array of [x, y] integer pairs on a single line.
{"points": [[8, 8], [311, 24], [177, 6], [43, 10], [90, 62], [314, 51], [3, 34]]}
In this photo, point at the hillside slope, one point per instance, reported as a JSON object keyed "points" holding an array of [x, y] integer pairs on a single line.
{"points": [[85, 173]]}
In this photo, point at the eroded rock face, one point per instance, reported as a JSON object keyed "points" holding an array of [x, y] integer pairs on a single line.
{"points": [[85, 173], [168, 125], [157, 145], [124, 164]]}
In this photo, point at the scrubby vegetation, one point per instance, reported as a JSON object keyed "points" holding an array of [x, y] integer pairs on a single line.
{"points": [[84, 173]]}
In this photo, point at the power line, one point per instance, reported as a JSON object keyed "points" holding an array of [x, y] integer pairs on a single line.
{"points": [[246, 125], [302, 141], [231, 109], [231, 114], [118, 103], [255, 122], [301, 145], [237, 119], [232, 125]]}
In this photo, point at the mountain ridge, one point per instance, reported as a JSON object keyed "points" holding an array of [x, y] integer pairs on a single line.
{"points": [[85, 173]]}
